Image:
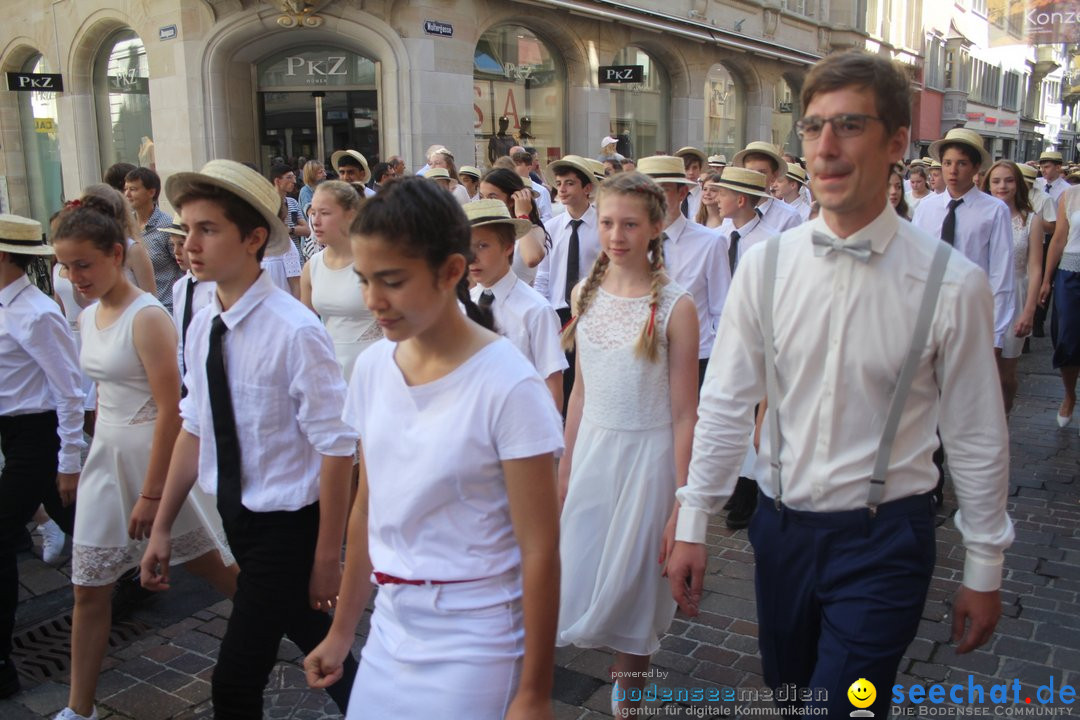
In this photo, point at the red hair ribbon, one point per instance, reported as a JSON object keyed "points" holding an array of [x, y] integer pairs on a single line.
{"points": [[568, 322], [652, 320], [73, 203]]}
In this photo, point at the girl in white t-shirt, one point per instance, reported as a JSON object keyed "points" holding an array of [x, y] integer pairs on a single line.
{"points": [[456, 514]]}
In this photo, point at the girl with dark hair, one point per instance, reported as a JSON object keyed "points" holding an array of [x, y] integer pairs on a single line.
{"points": [[626, 453], [896, 192], [129, 350], [461, 533], [507, 185]]}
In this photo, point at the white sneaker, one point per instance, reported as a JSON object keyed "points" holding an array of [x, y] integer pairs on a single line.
{"points": [[69, 714], [52, 545]]}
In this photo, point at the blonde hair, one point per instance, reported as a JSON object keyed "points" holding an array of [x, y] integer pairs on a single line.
{"points": [[115, 204], [311, 172], [641, 186], [344, 194]]}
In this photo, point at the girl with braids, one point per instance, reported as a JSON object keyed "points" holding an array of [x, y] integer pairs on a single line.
{"points": [[507, 186], [129, 350], [456, 511], [626, 452]]}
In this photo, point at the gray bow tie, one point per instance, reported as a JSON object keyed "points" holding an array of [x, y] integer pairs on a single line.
{"points": [[824, 244]]}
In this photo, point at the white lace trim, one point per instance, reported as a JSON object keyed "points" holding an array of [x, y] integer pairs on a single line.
{"points": [[93, 566], [147, 413]]}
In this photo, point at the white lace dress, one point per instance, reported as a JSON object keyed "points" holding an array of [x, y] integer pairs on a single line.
{"points": [[622, 483], [119, 455], [1012, 346]]}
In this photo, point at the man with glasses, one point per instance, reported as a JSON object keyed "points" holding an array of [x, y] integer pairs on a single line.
{"points": [[823, 321]]}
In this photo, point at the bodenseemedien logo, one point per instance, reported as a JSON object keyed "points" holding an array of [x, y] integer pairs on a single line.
{"points": [[862, 694]]}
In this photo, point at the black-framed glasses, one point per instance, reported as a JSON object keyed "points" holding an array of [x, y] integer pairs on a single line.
{"points": [[843, 126]]}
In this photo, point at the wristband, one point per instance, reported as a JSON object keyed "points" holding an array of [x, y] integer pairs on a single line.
{"points": [[524, 217]]}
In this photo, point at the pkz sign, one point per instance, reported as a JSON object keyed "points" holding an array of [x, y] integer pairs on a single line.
{"points": [[35, 82], [618, 74]]}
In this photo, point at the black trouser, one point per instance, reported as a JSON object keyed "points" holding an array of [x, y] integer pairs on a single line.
{"points": [[30, 446], [275, 552], [1040, 310], [568, 373]]}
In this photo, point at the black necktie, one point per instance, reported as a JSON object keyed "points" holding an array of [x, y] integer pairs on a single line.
{"points": [[225, 438], [188, 293], [573, 260], [948, 228], [733, 250], [486, 299], [759, 213], [685, 207]]}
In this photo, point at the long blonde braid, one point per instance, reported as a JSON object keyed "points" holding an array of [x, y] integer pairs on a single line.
{"points": [[648, 345], [585, 298]]}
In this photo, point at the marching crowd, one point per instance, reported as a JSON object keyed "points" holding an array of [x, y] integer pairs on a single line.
{"points": [[516, 400]]}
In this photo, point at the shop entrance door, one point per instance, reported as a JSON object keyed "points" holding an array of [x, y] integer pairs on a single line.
{"points": [[290, 124]]}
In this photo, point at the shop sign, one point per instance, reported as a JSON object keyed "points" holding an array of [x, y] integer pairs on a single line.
{"points": [[975, 116], [991, 120], [1008, 123], [44, 125], [442, 29], [129, 83], [316, 67], [618, 74], [35, 82]]}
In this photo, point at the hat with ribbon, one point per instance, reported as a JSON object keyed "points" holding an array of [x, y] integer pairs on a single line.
{"points": [[494, 212], [664, 169], [749, 182], [962, 136], [22, 236]]}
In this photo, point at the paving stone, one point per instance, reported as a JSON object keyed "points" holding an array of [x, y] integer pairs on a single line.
{"points": [[1022, 649], [190, 663]]}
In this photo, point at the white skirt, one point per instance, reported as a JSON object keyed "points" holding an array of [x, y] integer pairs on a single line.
{"points": [[1012, 346], [622, 491], [442, 651], [109, 486]]}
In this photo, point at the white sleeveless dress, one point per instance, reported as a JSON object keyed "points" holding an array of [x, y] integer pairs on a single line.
{"points": [[115, 468], [622, 483], [66, 292], [1013, 346], [339, 299]]}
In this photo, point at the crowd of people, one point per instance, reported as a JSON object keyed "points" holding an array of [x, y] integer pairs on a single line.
{"points": [[516, 398]]}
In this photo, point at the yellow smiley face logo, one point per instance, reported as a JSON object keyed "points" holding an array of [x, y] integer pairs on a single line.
{"points": [[862, 693]]}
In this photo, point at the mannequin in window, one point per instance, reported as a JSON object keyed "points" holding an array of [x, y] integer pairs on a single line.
{"points": [[525, 131], [500, 142]]}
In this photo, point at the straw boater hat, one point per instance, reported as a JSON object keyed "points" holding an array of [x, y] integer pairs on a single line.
{"points": [[437, 174], [174, 228], [741, 180], [762, 148], [246, 184], [917, 162], [22, 236], [470, 170], [796, 173], [962, 136], [664, 169], [492, 212], [688, 150], [1028, 172], [717, 161], [1051, 156], [935, 165], [577, 163], [597, 169], [336, 158]]}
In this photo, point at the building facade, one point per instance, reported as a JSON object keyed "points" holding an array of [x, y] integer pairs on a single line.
{"points": [[172, 85]]}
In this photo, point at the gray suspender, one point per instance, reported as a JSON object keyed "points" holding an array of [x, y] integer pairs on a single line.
{"points": [[903, 383]]}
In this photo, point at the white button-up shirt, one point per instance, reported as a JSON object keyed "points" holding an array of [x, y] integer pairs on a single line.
{"points": [[984, 235], [696, 259], [1054, 189], [693, 202], [201, 296], [779, 214], [39, 366], [543, 203], [843, 329], [1044, 205], [801, 206], [754, 231], [551, 272], [525, 318], [287, 393]]}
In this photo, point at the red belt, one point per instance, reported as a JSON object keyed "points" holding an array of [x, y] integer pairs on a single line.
{"points": [[384, 579]]}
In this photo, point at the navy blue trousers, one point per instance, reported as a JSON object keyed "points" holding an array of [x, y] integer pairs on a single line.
{"points": [[840, 595]]}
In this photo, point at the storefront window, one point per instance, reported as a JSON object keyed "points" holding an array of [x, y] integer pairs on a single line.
{"points": [[784, 116], [41, 147], [518, 95], [725, 106], [122, 97], [639, 112]]}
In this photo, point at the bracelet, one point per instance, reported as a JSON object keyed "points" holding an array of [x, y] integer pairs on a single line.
{"points": [[524, 217], [147, 497]]}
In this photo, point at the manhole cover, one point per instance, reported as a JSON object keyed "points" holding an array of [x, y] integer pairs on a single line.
{"points": [[44, 650]]}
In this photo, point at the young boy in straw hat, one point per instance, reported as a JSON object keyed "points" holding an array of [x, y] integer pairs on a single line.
{"points": [[41, 415], [789, 189], [765, 158], [694, 161], [262, 429], [188, 294], [352, 167], [522, 315]]}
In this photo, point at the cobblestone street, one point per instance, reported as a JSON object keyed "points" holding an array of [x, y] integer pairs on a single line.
{"points": [[160, 664]]}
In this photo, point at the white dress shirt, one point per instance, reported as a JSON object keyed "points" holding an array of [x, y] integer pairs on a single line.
{"points": [[287, 393], [779, 214], [551, 273], [1053, 189], [525, 318], [802, 207], [754, 231], [1044, 205], [543, 203], [696, 259], [693, 203], [201, 296], [984, 235], [39, 366], [843, 329]]}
